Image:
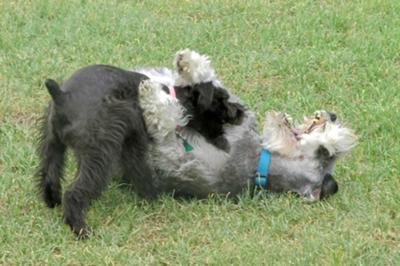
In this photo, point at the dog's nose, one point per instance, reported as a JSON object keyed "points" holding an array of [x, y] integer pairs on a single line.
{"points": [[333, 117], [329, 187]]}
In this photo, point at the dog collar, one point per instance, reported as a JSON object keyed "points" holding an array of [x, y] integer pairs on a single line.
{"points": [[172, 91], [262, 170], [186, 145]]}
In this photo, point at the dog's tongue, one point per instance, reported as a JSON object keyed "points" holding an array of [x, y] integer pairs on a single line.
{"points": [[296, 131], [317, 193], [314, 196]]}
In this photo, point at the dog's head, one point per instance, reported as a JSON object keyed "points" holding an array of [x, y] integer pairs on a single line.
{"points": [[209, 106], [325, 139], [213, 101], [306, 154]]}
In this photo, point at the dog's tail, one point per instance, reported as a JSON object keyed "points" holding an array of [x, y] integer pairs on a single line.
{"points": [[54, 89]]}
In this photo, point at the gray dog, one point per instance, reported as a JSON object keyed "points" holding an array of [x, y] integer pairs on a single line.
{"points": [[284, 159]]}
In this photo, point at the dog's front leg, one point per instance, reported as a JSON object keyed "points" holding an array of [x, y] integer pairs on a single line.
{"points": [[193, 68]]}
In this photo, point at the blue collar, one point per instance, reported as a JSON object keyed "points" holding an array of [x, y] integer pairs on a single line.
{"points": [[262, 169]]}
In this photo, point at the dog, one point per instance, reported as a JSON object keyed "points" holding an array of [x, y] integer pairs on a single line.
{"points": [[301, 159], [97, 113]]}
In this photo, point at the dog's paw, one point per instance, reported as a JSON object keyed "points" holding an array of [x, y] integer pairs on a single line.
{"points": [[193, 68], [81, 233], [183, 59], [78, 227]]}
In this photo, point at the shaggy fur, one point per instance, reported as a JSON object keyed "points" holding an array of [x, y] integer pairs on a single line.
{"points": [[201, 93], [302, 159], [97, 114]]}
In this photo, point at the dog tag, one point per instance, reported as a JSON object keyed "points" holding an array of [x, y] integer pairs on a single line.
{"points": [[187, 146]]}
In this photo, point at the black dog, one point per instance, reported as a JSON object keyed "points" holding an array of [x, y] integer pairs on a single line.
{"points": [[96, 112]]}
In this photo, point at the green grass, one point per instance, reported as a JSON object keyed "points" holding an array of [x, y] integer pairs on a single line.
{"points": [[296, 56]]}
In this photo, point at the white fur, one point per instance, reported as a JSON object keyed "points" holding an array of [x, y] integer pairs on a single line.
{"points": [[337, 139], [162, 112], [161, 75], [192, 68], [279, 138]]}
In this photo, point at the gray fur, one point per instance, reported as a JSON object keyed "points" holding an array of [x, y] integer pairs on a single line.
{"points": [[297, 165]]}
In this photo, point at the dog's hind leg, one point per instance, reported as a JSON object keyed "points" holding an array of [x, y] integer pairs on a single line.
{"points": [[50, 171]]}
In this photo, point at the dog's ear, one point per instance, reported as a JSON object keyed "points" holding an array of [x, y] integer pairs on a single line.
{"points": [[235, 111], [323, 153], [204, 93]]}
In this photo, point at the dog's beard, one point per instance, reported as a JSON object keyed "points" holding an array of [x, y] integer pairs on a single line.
{"points": [[304, 140], [320, 131]]}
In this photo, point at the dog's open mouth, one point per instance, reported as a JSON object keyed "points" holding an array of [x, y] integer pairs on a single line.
{"points": [[298, 131], [309, 125], [317, 121]]}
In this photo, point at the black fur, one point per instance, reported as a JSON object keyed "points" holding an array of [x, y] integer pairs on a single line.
{"points": [[211, 109], [329, 187], [97, 114]]}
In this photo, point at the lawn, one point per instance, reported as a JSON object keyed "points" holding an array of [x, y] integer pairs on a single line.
{"points": [[296, 56]]}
